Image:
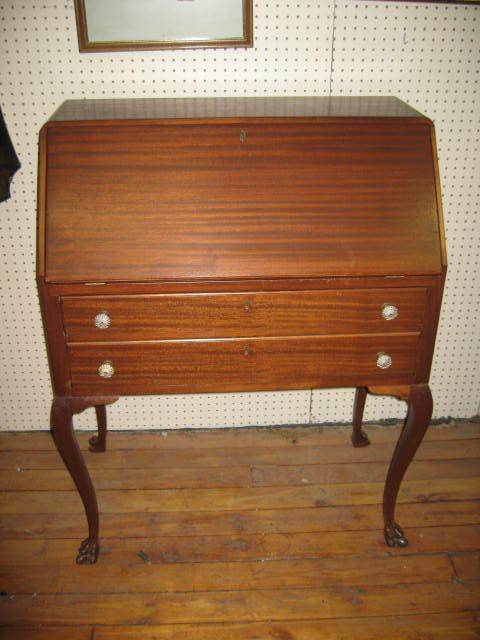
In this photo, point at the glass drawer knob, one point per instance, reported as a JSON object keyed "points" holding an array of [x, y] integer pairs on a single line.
{"points": [[106, 370], [389, 311], [102, 320], [383, 361]]}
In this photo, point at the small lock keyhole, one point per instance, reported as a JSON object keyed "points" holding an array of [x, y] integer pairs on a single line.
{"points": [[246, 350], [243, 135]]}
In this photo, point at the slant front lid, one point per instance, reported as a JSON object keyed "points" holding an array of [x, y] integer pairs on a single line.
{"points": [[137, 200]]}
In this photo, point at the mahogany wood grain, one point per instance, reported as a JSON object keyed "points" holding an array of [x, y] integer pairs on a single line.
{"points": [[64, 438], [55, 338], [61, 425], [238, 244], [196, 202], [98, 442], [240, 365], [240, 286], [359, 438], [441, 226], [235, 315], [420, 407]]}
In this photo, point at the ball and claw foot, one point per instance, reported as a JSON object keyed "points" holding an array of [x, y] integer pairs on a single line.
{"points": [[360, 439], [394, 536], [96, 444], [88, 551]]}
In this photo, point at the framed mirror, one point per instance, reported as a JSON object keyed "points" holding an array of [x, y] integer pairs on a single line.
{"points": [[129, 25]]}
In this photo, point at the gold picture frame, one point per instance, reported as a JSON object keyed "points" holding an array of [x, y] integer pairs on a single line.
{"points": [[103, 24]]}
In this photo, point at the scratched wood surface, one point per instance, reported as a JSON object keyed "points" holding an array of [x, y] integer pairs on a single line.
{"points": [[271, 534]]}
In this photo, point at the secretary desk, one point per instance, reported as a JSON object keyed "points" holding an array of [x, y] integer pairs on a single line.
{"points": [[238, 244]]}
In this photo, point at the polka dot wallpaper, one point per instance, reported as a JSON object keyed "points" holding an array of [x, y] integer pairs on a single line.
{"points": [[426, 54]]}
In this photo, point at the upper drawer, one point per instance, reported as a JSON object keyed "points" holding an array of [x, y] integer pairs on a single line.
{"points": [[192, 316]]}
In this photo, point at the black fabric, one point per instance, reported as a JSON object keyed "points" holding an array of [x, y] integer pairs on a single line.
{"points": [[9, 163]]}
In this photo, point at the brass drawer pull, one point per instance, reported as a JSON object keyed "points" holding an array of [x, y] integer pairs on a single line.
{"points": [[102, 320], [106, 370], [389, 311], [384, 361], [247, 306]]}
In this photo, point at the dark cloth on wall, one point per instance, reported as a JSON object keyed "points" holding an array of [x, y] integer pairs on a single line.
{"points": [[9, 163]]}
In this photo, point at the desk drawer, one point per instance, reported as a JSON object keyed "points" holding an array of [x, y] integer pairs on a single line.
{"points": [[196, 316], [240, 365]]}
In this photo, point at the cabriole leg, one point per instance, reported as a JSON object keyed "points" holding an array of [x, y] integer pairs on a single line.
{"points": [[66, 443], [61, 424], [99, 442], [359, 437], [420, 406]]}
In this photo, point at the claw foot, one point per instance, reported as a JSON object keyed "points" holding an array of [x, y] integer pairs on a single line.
{"points": [[96, 444], [394, 536], [360, 439], [88, 551]]}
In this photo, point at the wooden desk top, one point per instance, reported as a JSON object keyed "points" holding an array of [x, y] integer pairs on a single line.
{"points": [[231, 108]]}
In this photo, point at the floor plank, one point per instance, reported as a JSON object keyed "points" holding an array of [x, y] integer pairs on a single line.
{"points": [[248, 606], [231, 499], [311, 435], [27, 526], [244, 547], [450, 626], [467, 565], [365, 472], [18, 479], [42, 632], [59, 479], [207, 458], [148, 577], [254, 534]]}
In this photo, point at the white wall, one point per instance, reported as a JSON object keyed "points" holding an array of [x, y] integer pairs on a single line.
{"points": [[426, 54]]}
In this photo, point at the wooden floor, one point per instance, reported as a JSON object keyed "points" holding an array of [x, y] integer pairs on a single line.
{"points": [[252, 534]]}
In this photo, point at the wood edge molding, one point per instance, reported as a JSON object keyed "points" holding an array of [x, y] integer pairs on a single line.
{"points": [[41, 201], [438, 195]]}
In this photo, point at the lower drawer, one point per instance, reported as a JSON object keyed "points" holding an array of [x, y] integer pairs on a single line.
{"points": [[241, 365]]}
